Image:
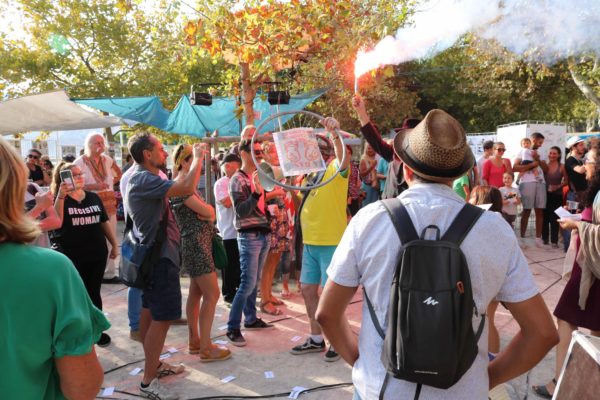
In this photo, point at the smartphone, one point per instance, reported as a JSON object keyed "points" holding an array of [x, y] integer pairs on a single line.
{"points": [[67, 176]]}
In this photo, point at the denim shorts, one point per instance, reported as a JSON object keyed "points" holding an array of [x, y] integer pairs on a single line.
{"points": [[315, 260], [164, 299]]}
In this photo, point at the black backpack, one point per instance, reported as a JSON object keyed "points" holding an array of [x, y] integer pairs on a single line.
{"points": [[429, 338]]}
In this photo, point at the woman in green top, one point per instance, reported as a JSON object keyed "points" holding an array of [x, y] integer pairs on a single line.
{"points": [[48, 323]]}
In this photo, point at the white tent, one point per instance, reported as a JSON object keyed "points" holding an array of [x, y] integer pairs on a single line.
{"points": [[51, 111]]}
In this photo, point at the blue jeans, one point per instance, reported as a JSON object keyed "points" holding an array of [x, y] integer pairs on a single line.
{"points": [[253, 247], [134, 307]]}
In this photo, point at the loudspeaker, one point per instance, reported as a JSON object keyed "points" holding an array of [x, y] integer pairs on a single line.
{"points": [[200, 99], [278, 97]]}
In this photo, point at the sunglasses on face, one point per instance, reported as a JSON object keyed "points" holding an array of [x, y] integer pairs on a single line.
{"points": [[502, 149], [33, 156]]}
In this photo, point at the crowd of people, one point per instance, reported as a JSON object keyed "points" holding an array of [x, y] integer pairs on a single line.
{"points": [[326, 236]]}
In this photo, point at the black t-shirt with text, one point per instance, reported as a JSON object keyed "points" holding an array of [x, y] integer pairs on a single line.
{"points": [[81, 235], [576, 180]]}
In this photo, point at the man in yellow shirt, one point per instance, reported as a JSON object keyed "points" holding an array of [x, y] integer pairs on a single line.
{"points": [[323, 221]]}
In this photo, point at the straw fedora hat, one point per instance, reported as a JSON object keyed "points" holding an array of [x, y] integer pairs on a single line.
{"points": [[436, 149]]}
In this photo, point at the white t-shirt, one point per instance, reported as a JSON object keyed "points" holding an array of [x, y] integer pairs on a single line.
{"points": [[527, 155], [88, 175], [514, 194], [497, 271], [224, 215]]}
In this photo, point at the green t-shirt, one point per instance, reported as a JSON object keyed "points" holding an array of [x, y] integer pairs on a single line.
{"points": [[458, 186], [45, 313]]}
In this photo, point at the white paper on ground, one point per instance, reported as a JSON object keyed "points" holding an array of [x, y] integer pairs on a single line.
{"points": [[296, 392], [172, 350], [564, 214], [135, 371], [269, 374], [220, 342], [222, 327], [296, 338], [164, 356], [228, 379], [108, 391], [218, 315]]}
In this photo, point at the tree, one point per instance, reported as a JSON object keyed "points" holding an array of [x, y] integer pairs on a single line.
{"points": [[307, 44], [484, 85]]}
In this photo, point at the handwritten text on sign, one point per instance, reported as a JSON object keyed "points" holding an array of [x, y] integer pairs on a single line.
{"points": [[298, 151]]}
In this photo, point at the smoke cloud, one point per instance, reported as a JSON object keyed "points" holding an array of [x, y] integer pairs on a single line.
{"points": [[540, 30]]}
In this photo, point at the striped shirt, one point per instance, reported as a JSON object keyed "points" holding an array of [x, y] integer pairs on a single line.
{"points": [[247, 216]]}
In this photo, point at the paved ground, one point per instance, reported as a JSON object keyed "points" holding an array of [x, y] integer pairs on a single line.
{"points": [[269, 351]]}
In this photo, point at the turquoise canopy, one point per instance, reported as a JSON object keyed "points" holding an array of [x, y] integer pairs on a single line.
{"points": [[187, 119]]}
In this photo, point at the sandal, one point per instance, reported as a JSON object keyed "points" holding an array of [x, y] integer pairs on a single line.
{"points": [[193, 349], [286, 294], [166, 369], [542, 390], [271, 311]]}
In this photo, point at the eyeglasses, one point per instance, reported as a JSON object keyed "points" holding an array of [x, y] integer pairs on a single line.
{"points": [[502, 149], [33, 156]]}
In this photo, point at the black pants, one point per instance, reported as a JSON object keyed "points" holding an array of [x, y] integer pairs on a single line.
{"points": [[91, 271], [553, 201], [231, 273]]}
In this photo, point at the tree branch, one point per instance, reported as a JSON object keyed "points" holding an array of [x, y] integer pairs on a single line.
{"points": [[579, 80]]}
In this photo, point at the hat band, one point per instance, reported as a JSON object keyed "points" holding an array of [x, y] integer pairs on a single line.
{"points": [[420, 166]]}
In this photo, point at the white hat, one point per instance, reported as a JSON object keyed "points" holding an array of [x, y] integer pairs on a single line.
{"points": [[573, 140]]}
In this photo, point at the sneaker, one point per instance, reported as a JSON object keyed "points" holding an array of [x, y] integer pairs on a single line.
{"points": [[310, 346], [257, 325], [135, 335], [156, 391], [539, 243], [236, 338], [166, 369], [104, 340], [331, 355]]}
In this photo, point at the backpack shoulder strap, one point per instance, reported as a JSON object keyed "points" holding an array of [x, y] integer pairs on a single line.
{"points": [[462, 224], [401, 220]]}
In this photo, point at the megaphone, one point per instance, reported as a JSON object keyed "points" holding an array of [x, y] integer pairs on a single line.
{"points": [[265, 169]]}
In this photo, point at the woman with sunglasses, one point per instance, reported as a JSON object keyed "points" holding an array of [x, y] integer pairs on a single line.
{"points": [[495, 167], [84, 230], [195, 219]]}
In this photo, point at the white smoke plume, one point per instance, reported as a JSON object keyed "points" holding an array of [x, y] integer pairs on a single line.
{"points": [[545, 30]]}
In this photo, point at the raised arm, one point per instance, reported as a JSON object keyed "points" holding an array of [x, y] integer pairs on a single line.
{"points": [[187, 185], [370, 131]]}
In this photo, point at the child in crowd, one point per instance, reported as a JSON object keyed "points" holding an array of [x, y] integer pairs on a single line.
{"points": [[526, 155], [511, 198]]}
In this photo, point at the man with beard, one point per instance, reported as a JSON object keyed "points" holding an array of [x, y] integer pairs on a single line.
{"points": [[147, 203]]}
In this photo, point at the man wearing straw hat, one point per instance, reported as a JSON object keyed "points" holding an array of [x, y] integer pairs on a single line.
{"points": [[434, 153]]}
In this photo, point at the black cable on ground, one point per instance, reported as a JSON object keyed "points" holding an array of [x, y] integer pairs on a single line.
{"points": [[264, 396], [271, 396]]}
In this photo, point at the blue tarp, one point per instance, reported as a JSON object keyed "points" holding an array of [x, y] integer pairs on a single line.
{"points": [[187, 119]]}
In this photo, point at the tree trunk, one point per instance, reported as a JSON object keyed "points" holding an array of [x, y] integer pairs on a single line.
{"points": [[586, 89], [248, 94]]}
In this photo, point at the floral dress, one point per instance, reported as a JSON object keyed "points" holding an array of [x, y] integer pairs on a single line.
{"points": [[196, 239], [280, 226]]}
